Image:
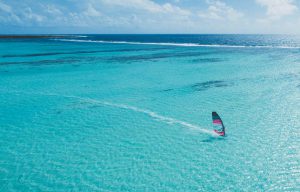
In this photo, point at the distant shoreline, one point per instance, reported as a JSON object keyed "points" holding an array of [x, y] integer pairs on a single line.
{"points": [[31, 36]]}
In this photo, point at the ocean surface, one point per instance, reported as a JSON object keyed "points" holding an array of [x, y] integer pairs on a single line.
{"points": [[133, 113]]}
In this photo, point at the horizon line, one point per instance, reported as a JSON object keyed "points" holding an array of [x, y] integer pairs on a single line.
{"points": [[50, 34]]}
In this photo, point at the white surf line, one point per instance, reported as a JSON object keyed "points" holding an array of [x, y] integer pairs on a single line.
{"points": [[181, 44]]}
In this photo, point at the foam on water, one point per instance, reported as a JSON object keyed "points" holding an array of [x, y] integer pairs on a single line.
{"points": [[181, 44]]}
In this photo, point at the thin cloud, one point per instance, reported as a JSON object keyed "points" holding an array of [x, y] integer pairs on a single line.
{"points": [[93, 12], [5, 7], [218, 10], [147, 5], [147, 16], [276, 9]]}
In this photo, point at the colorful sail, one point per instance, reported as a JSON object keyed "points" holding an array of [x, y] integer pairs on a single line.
{"points": [[218, 124]]}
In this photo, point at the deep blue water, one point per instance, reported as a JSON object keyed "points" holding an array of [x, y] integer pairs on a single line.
{"points": [[133, 113]]}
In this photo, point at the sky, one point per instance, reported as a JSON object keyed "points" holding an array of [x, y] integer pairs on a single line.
{"points": [[149, 16]]}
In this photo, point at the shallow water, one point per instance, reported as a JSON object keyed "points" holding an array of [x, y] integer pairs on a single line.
{"points": [[133, 113]]}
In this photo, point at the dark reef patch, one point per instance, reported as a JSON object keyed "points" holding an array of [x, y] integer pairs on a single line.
{"points": [[207, 60], [32, 36], [78, 52], [157, 56], [40, 62], [167, 90], [209, 84]]}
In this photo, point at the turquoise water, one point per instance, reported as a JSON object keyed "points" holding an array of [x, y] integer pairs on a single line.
{"points": [[133, 113]]}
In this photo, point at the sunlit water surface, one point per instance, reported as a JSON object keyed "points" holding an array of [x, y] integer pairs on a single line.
{"points": [[133, 113]]}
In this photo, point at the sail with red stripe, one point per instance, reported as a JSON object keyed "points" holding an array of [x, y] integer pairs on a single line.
{"points": [[218, 124]]}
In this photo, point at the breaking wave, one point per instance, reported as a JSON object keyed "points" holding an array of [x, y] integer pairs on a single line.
{"points": [[180, 44]]}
